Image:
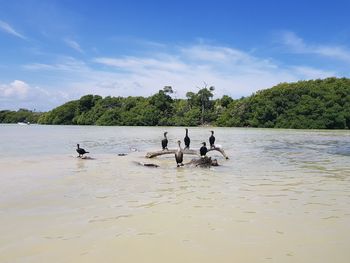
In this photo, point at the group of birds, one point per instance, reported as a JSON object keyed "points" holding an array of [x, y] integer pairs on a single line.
{"points": [[179, 152]]}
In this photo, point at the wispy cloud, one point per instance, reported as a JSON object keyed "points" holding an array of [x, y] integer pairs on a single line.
{"points": [[298, 45], [73, 44], [65, 63], [136, 64], [132, 40], [5, 27], [233, 72], [312, 73], [217, 54]]}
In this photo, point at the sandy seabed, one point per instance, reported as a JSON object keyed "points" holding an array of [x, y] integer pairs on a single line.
{"points": [[255, 207]]}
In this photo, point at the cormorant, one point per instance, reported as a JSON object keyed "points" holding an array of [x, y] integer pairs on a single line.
{"points": [[165, 142], [203, 150], [212, 140], [187, 140], [81, 151], [179, 155]]}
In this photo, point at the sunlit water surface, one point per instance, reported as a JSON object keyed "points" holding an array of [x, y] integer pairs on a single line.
{"points": [[283, 196]]}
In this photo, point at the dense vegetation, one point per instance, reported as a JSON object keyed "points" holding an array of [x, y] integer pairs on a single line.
{"points": [[314, 104], [22, 115], [159, 109]]}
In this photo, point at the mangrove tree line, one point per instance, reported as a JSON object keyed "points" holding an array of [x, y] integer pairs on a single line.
{"points": [[313, 104]]}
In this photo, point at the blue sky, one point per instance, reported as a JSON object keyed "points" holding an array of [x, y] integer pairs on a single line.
{"points": [[55, 51]]}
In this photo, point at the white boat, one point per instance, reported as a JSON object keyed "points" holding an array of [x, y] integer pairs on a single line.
{"points": [[23, 123]]}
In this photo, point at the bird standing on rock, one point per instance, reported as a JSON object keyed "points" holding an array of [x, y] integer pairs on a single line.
{"points": [[179, 155], [212, 140], [187, 140], [165, 142], [203, 150], [81, 151]]}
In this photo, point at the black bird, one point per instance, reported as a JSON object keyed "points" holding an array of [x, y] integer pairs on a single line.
{"points": [[212, 140], [81, 151], [187, 140], [179, 155], [165, 142], [203, 150]]}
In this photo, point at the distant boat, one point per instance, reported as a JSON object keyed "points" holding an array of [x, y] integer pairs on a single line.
{"points": [[23, 123]]}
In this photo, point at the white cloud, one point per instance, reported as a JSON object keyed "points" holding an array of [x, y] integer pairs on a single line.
{"points": [[298, 45], [8, 29], [19, 94], [64, 64], [312, 73], [215, 54], [232, 71], [339, 53], [73, 44], [17, 88], [135, 64], [293, 41]]}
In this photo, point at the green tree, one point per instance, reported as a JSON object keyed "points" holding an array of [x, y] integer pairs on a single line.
{"points": [[205, 94], [313, 104]]}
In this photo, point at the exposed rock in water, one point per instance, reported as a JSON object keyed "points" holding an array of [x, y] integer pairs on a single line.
{"points": [[203, 162], [148, 164]]}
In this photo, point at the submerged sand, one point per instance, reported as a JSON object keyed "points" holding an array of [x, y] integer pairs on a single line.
{"points": [[255, 207]]}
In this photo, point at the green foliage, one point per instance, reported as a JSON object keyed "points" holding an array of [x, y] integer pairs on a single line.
{"points": [[314, 104], [110, 117], [22, 115], [63, 114]]}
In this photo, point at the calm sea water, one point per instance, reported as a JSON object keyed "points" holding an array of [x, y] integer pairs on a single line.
{"points": [[283, 196]]}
